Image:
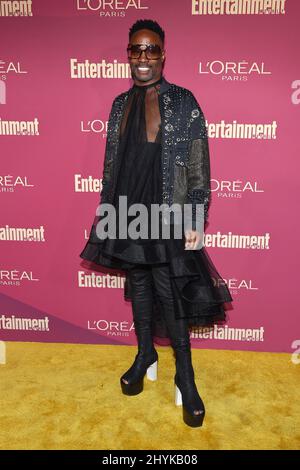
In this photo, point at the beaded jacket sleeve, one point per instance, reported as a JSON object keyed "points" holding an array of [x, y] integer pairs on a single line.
{"points": [[199, 188]]}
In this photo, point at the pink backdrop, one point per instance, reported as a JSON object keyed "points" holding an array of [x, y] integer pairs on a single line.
{"points": [[242, 68]]}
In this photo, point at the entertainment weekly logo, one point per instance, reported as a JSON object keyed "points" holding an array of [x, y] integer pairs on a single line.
{"points": [[234, 189], [8, 68], [16, 8], [102, 281], [104, 69], [11, 183], [227, 333], [20, 128], [238, 7], [236, 130], [111, 8], [22, 234], [87, 184], [234, 241], [232, 71], [15, 323]]}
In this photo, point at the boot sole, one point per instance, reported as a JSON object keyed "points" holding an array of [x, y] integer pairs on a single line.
{"points": [[132, 389]]}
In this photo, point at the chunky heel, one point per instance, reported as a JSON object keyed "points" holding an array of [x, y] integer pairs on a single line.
{"points": [[152, 371], [178, 396]]}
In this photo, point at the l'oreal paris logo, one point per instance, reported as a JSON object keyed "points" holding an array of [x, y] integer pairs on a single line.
{"points": [[8, 183], [235, 186], [5, 69], [10, 67], [14, 277], [96, 126], [112, 328], [110, 6], [243, 68]]}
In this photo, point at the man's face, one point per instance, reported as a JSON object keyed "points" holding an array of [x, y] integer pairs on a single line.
{"points": [[146, 70]]}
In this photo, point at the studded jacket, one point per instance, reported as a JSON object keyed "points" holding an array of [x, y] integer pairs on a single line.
{"points": [[185, 162]]}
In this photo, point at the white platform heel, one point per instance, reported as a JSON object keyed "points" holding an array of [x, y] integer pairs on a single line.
{"points": [[152, 371], [178, 396]]}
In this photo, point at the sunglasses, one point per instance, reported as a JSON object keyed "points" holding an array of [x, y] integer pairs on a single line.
{"points": [[152, 51]]}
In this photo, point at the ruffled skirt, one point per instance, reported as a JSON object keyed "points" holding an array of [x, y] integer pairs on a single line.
{"points": [[200, 294]]}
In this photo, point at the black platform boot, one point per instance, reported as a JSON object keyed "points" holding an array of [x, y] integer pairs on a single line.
{"points": [[186, 393], [146, 360]]}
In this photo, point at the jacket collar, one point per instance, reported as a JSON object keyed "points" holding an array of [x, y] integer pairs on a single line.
{"points": [[165, 85]]}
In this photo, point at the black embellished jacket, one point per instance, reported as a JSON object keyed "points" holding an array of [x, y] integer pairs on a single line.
{"points": [[185, 162]]}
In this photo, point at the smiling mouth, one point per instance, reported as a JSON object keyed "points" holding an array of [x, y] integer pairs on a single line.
{"points": [[143, 69]]}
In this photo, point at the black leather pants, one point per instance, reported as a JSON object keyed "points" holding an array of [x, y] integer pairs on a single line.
{"points": [[143, 279]]}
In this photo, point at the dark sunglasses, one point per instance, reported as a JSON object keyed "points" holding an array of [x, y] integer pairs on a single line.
{"points": [[152, 51]]}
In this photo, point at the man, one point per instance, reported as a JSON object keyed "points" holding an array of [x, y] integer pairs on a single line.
{"points": [[157, 152]]}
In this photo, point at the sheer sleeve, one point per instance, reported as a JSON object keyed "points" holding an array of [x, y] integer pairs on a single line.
{"points": [[199, 189]]}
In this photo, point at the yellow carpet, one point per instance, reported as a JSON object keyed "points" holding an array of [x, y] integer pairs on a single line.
{"points": [[67, 396]]}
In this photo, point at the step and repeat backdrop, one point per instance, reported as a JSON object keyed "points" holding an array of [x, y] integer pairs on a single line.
{"points": [[62, 62]]}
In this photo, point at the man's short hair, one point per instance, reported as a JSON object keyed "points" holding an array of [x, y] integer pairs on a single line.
{"points": [[147, 24]]}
